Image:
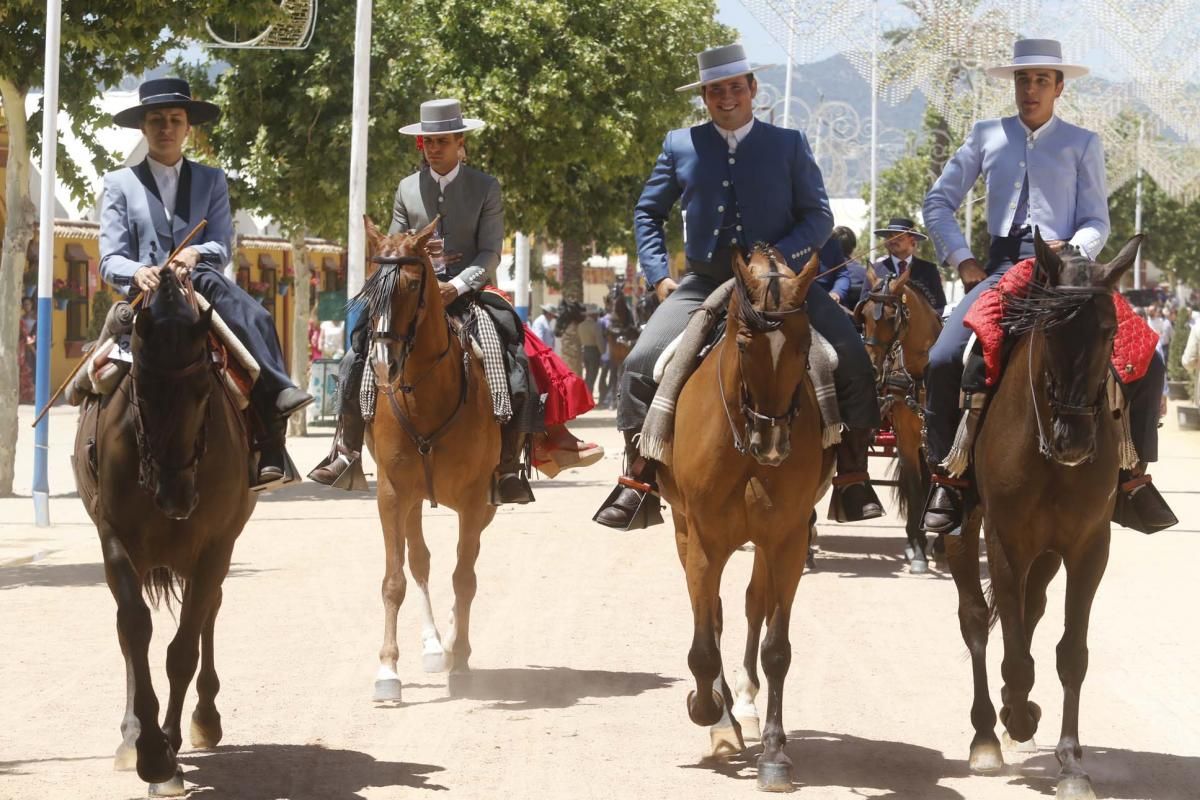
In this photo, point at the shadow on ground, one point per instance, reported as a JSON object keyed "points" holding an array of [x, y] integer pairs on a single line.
{"points": [[308, 490], [521, 689], [74, 575], [1119, 774], [297, 772], [867, 557], [895, 770]]}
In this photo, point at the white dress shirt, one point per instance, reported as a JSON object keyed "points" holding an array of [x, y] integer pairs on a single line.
{"points": [[735, 137], [166, 178]]}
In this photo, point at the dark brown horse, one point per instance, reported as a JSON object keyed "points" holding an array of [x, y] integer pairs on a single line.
{"points": [[899, 326], [434, 436], [163, 467], [752, 470], [1046, 461]]}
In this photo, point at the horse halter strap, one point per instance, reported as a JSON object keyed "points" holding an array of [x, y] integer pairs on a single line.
{"points": [[424, 443]]}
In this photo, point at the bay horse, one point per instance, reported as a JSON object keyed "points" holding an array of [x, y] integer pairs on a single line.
{"points": [[164, 467], [433, 437], [900, 325], [1046, 461], [752, 470], [623, 329]]}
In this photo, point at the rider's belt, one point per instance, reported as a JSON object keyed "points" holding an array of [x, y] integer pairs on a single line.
{"points": [[720, 268], [1005, 251]]}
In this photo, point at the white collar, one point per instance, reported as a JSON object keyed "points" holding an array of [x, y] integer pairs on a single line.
{"points": [[445, 180], [160, 170], [1035, 135], [738, 135]]}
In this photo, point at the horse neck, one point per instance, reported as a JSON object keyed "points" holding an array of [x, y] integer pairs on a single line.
{"points": [[921, 332]]}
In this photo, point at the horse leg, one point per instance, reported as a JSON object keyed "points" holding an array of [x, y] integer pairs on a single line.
{"points": [[912, 484], [1018, 715], [392, 517], [155, 758], [471, 523], [206, 720], [962, 553], [786, 565], [706, 705], [726, 735], [1083, 578], [433, 655], [744, 710]]}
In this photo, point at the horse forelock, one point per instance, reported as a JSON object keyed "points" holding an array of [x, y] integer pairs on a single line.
{"points": [[375, 297]]}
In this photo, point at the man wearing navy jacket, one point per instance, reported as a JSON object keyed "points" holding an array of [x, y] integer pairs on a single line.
{"points": [[901, 238], [740, 181]]}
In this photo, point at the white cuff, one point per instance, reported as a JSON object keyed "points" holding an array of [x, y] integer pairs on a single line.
{"points": [[459, 285], [958, 256]]}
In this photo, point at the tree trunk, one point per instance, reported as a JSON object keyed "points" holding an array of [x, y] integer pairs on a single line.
{"points": [[298, 426], [18, 230], [572, 289]]}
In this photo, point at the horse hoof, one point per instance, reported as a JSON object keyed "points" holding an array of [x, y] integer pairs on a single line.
{"points": [[126, 758], [1076, 787], [725, 741], [705, 717], [774, 777], [387, 690], [918, 567], [1013, 746], [747, 716], [460, 682], [204, 735], [171, 788], [986, 757], [435, 661]]}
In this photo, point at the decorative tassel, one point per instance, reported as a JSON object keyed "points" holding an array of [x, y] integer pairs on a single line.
{"points": [[959, 459], [655, 448], [831, 435]]}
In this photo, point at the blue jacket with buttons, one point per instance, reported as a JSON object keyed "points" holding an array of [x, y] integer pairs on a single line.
{"points": [[770, 191]]}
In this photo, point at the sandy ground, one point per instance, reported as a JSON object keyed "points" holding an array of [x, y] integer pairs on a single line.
{"points": [[580, 641]]}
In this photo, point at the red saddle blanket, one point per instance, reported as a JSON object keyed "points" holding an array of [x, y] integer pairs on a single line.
{"points": [[1133, 346]]}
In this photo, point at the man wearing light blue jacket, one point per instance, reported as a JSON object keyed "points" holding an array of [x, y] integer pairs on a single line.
{"points": [[740, 181], [148, 209], [1040, 171]]}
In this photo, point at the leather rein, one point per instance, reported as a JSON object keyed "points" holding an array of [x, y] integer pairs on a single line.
{"points": [[424, 443]]}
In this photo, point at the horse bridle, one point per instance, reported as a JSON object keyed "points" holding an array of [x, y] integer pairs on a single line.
{"points": [[764, 322], [149, 439], [893, 351], [423, 442]]}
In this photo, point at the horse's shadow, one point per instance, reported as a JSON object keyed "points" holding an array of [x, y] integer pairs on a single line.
{"points": [[865, 557], [297, 772], [900, 770], [72, 575], [1118, 774], [535, 687]]}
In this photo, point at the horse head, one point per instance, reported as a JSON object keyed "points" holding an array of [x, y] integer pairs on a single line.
{"points": [[883, 315], [403, 287], [171, 389], [768, 326], [570, 312], [1069, 305], [646, 307]]}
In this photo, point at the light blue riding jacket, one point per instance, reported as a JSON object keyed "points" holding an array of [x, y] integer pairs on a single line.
{"points": [[1064, 164]]}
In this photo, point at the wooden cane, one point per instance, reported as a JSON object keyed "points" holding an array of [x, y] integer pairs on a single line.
{"points": [[58, 392]]}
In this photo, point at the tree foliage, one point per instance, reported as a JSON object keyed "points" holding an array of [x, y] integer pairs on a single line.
{"points": [[1172, 233]]}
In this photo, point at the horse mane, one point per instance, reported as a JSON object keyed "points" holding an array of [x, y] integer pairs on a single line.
{"points": [[1041, 305], [375, 297], [762, 321]]}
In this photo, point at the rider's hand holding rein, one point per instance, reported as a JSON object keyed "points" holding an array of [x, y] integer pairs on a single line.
{"points": [[184, 263], [146, 279]]}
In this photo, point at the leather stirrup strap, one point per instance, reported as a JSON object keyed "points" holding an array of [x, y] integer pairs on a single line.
{"points": [[850, 478], [945, 480], [1134, 483]]}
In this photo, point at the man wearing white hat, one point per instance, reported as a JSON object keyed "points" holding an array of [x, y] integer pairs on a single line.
{"points": [[1040, 171], [740, 181]]}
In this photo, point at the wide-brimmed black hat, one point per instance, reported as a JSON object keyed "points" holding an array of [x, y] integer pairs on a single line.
{"points": [[167, 93], [900, 225]]}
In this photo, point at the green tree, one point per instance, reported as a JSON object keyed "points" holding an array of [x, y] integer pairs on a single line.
{"points": [[1172, 235], [101, 43]]}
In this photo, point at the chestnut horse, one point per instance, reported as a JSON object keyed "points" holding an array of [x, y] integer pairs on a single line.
{"points": [[753, 475], [163, 467], [434, 437], [899, 326], [1046, 461]]}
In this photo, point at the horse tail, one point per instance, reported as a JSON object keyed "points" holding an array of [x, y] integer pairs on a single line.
{"points": [[163, 585]]}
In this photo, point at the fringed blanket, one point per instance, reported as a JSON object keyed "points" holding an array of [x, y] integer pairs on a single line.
{"points": [[1133, 346], [685, 355]]}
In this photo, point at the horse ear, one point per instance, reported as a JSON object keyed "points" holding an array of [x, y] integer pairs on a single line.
{"points": [[1115, 269], [1047, 259], [808, 274], [872, 278], [426, 233], [902, 281], [740, 270], [374, 235], [143, 324], [860, 316]]}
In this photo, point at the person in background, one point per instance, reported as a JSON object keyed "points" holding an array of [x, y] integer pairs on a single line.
{"points": [[543, 326], [589, 339], [843, 283]]}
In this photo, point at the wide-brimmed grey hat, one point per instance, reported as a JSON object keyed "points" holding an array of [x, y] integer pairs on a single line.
{"points": [[441, 116], [166, 93], [900, 225], [1037, 54], [721, 63]]}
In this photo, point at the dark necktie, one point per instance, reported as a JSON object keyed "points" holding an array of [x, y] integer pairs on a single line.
{"points": [[900, 265]]}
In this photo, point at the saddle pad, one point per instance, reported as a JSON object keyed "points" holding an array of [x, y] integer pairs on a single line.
{"points": [[1133, 347]]}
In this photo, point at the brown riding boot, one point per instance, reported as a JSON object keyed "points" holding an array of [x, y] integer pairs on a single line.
{"points": [[510, 482], [944, 507], [1139, 504], [342, 468], [634, 503], [854, 499]]}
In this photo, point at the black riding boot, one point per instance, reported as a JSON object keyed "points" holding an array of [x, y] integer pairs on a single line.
{"points": [[275, 467], [634, 503], [854, 499], [510, 482], [944, 507], [1139, 505], [342, 468]]}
